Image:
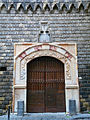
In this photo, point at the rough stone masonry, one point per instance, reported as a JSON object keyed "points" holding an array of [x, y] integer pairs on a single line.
{"points": [[69, 21]]}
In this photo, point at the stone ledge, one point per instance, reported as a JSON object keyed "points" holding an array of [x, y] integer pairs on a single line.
{"points": [[20, 86], [72, 87]]}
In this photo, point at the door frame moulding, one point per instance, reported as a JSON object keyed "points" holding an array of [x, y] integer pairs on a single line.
{"points": [[65, 52]]}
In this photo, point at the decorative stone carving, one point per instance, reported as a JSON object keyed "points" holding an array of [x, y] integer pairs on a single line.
{"points": [[22, 77], [22, 73], [68, 55], [44, 53], [48, 49], [68, 72], [44, 35]]}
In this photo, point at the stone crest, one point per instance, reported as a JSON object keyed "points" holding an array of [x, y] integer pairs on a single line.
{"points": [[44, 34]]}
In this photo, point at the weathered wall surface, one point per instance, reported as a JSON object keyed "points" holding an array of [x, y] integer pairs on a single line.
{"points": [[18, 24]]}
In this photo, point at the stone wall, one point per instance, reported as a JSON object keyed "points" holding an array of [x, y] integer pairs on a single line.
{"points": [[18, 24]]}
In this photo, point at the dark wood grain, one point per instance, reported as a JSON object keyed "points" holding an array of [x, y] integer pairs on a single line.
{"points": [[45, 85]]}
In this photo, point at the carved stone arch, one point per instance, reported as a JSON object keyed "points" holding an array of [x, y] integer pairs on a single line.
{"points": [[24, 53], [3, 8], [11, 7], [71, 8], [20, 6], [80, 7], [45, 53], [38, 6], [55, 6], [29, 7], [63, 6], [47, 46], [46, 6], [87, 6]]}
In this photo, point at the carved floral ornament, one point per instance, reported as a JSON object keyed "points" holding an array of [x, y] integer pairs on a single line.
{"points": [[43, 47], [45, 50]]}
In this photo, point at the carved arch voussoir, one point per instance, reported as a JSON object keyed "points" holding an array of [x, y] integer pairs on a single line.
{"points": [[44, 53], [49, 53], [41, 47]]}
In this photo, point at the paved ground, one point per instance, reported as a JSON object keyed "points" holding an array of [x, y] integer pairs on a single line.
{"points": [[47, 116]]}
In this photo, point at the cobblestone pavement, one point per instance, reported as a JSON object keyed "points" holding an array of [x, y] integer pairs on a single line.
{"points": [[46, 116]]}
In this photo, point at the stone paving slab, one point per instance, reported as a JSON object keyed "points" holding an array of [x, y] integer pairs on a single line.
{"points": [[47, 116]]}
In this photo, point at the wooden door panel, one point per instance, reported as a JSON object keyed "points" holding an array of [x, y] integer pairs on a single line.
{"points": [[45, 85], [36, 103]]}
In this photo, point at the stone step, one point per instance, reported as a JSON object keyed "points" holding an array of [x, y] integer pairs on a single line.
{"points": [[47, 116]]}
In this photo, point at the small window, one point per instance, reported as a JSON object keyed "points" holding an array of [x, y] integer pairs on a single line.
{"points": [[44, 37], [3, 68], [42, 31], [47, 31]]}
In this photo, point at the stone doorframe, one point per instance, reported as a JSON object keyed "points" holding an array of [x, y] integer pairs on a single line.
{"points": [[66, 53]]}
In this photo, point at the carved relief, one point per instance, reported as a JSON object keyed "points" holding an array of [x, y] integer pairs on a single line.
{"points": [[23, 72], [68, 71], [22, 76], [44, 53], [52, 47], [38, 47], [49, 52], [22, 55], [68, 55], [44, 34]]}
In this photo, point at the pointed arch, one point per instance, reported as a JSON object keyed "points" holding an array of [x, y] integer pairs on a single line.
{"points": [[11, 6], [3, 6], [20, 6], [46, 7], [29, 7], [80, 7], [71, 8], [55, 6], [38, 6]]}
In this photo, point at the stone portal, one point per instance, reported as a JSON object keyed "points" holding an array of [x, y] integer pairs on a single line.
{"points": [[64, 52]]}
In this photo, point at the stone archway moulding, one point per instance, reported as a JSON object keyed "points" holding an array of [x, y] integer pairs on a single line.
{"points": [[24, 53]]}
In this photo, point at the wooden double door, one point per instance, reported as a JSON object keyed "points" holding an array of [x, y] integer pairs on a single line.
{"points": [[45, 85]]}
